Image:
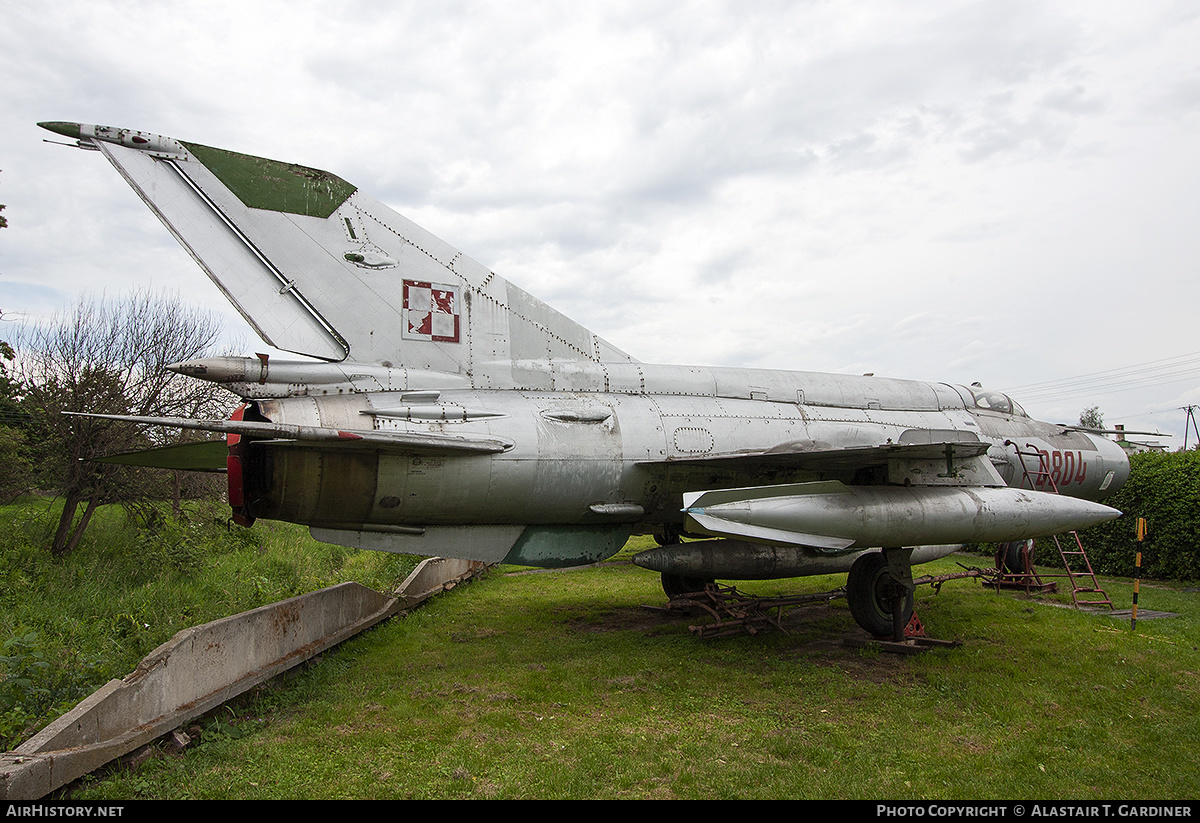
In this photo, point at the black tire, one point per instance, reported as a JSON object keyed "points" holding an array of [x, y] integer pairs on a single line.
{"points": [[869, 591], [1010, 555], [676, 585]]}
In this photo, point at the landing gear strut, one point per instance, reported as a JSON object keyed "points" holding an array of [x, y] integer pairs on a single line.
{"points": [[880, 592]]}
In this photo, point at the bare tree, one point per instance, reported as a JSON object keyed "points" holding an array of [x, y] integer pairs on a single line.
{"points": [[110, 356]]}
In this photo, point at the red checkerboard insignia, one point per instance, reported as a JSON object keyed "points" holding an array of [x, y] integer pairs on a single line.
{"points": [[431, 312]]}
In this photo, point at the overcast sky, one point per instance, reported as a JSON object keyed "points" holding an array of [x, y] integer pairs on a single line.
{"points": [[1004, 192]]}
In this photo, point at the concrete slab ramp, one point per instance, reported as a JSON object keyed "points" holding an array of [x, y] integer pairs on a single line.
{"points": [[200, 668]]}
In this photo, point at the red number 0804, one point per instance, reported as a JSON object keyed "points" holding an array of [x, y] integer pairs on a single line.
{"points": [[1063, 468]]}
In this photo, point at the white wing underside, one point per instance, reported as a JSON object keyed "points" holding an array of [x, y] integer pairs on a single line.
{"points": [[295, 280]]}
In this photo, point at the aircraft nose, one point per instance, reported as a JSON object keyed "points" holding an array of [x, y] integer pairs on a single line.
{"points": [[1112, 459]]}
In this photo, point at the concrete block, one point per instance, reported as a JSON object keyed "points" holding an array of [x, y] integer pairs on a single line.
{"points": [[200, 668]]}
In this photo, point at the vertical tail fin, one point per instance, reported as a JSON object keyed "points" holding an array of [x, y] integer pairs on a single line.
{"points": [[319, 268]]}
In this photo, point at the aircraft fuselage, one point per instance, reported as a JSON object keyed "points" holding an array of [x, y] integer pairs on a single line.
{"points": [[452, 413], [622, 460]]}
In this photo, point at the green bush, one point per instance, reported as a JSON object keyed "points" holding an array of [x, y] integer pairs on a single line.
{"points": [[1164, 488], [16, 472]]}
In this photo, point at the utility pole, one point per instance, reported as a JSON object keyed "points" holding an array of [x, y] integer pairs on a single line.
{"points": [[1191, 418]]}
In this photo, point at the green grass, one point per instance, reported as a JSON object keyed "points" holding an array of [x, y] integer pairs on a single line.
{"points": [[69, 625], [562, 685]]}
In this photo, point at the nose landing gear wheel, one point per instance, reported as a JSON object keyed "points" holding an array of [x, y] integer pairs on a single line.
{"points": [[871, 592]]}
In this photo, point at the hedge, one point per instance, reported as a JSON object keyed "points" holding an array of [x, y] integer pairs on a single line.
{"points": [[1164, 488]]}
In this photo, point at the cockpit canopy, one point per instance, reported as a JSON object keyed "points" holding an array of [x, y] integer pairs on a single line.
{"points": [[996, 401]]}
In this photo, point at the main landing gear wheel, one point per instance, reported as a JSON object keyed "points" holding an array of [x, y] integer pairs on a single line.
{"points": [[676, 585], [871, 591]]}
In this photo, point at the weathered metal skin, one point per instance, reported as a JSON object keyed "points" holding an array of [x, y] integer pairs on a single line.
{"points": [[836, 517], [455, 414], [743, 560], [577, 452]]}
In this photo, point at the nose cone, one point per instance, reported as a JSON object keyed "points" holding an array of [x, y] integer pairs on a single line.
{"points": [[1113, 459], [656, 560]]}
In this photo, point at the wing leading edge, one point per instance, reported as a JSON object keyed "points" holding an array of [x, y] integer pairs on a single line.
{"points": [[932, 463]]}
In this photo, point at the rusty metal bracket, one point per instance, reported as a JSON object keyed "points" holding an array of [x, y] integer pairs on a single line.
{"points": [[734, 612], [936, 581]]}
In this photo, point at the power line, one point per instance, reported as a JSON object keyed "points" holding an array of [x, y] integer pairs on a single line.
{"points": [[1180, 368], [1193, 357]]}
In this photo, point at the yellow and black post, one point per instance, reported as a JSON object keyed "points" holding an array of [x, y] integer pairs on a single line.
{"points": [[1137, 570]]}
